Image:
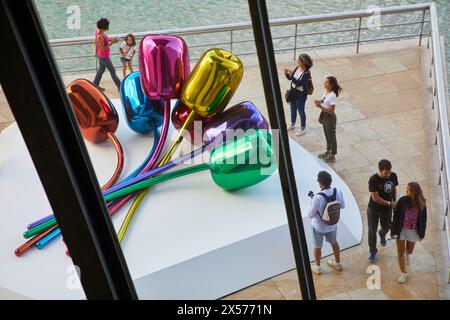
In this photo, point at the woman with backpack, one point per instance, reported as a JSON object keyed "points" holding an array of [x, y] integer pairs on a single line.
{"points": [[328, 116], [408, 225], [301, 86]]}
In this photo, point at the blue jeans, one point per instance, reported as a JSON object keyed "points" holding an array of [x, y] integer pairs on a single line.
{"points": [[106, 63], [298, 105]]}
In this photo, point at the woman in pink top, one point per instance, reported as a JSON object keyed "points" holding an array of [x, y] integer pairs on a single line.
{"points": [[102, 44], [408, 225]]}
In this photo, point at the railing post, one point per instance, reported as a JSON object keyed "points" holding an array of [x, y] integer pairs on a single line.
{"points": [[421, 28], [439, 94], [231, 40], [295, 41], [359, 35]]}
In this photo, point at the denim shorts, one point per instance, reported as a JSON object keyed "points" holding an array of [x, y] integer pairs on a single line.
{"points": [[410, 235], [330, 237], [124, 59]]}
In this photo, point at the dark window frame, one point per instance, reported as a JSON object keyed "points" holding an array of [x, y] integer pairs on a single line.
{"points": [[55, 144], [269, 74], [38, 100]]}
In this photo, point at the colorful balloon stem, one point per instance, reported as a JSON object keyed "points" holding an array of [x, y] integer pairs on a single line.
{"points": [[149, 166], [42, 227], [178, 139], [132, 175], [155, 180], [40, 221], [120, 161], [31, 243], [156, 171], [48, 238]]}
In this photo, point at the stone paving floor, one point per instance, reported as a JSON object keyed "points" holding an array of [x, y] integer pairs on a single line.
{"points": [[384, 112]]}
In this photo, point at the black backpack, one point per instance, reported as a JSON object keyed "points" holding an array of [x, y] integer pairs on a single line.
{"points": [[332, 211]]}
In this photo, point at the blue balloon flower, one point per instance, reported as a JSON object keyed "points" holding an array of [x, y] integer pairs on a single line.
{"points": [[142, 114]]}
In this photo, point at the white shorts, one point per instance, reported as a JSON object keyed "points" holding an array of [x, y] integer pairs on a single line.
{"points": [[410, 235]]}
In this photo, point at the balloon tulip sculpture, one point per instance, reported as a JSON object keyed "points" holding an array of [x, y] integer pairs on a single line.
{"points": [[97, 118], [180, 113], [238, 164], [209, 89], [142, 114], [230, 124], [239, 158], [207, 92], [98, 121], [164, 68]]}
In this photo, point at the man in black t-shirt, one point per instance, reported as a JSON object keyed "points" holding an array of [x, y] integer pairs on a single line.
{"points": [[383, 193]]}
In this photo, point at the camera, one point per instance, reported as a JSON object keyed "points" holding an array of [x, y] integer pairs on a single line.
{"points": [[311, 194]]}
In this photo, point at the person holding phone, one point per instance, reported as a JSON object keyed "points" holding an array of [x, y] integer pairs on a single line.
{"points": [[102, 48], [299, 77], [320, 229]]}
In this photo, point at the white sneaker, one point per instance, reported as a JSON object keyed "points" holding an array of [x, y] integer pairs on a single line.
{"points": [[402, 278], [301, 132], [407, 259], [335, 265], [316, 269], [291, 127]]}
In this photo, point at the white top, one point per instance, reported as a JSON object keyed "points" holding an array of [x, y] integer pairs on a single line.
{"points": [[329, 99], [297, 75], [129, 51], [318, 204]]}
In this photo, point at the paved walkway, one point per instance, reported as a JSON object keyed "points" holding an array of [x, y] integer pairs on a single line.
{"points": [[384, 112]]}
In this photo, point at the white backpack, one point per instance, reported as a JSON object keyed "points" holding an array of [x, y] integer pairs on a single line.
{"points": [[332, 210]]}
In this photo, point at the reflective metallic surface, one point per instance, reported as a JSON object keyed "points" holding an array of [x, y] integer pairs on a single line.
{"points": [[164, 68], [142, 114], [238, 164], [181, 112], [243, 162], [120, 161], [95, 113], [212, 83], [32, 242], [234, 121], [48, 238], [210, 87], [163, 65]]}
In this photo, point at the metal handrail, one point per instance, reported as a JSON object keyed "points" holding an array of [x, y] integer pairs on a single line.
{"points": [[294, 21], [440, 106]]}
